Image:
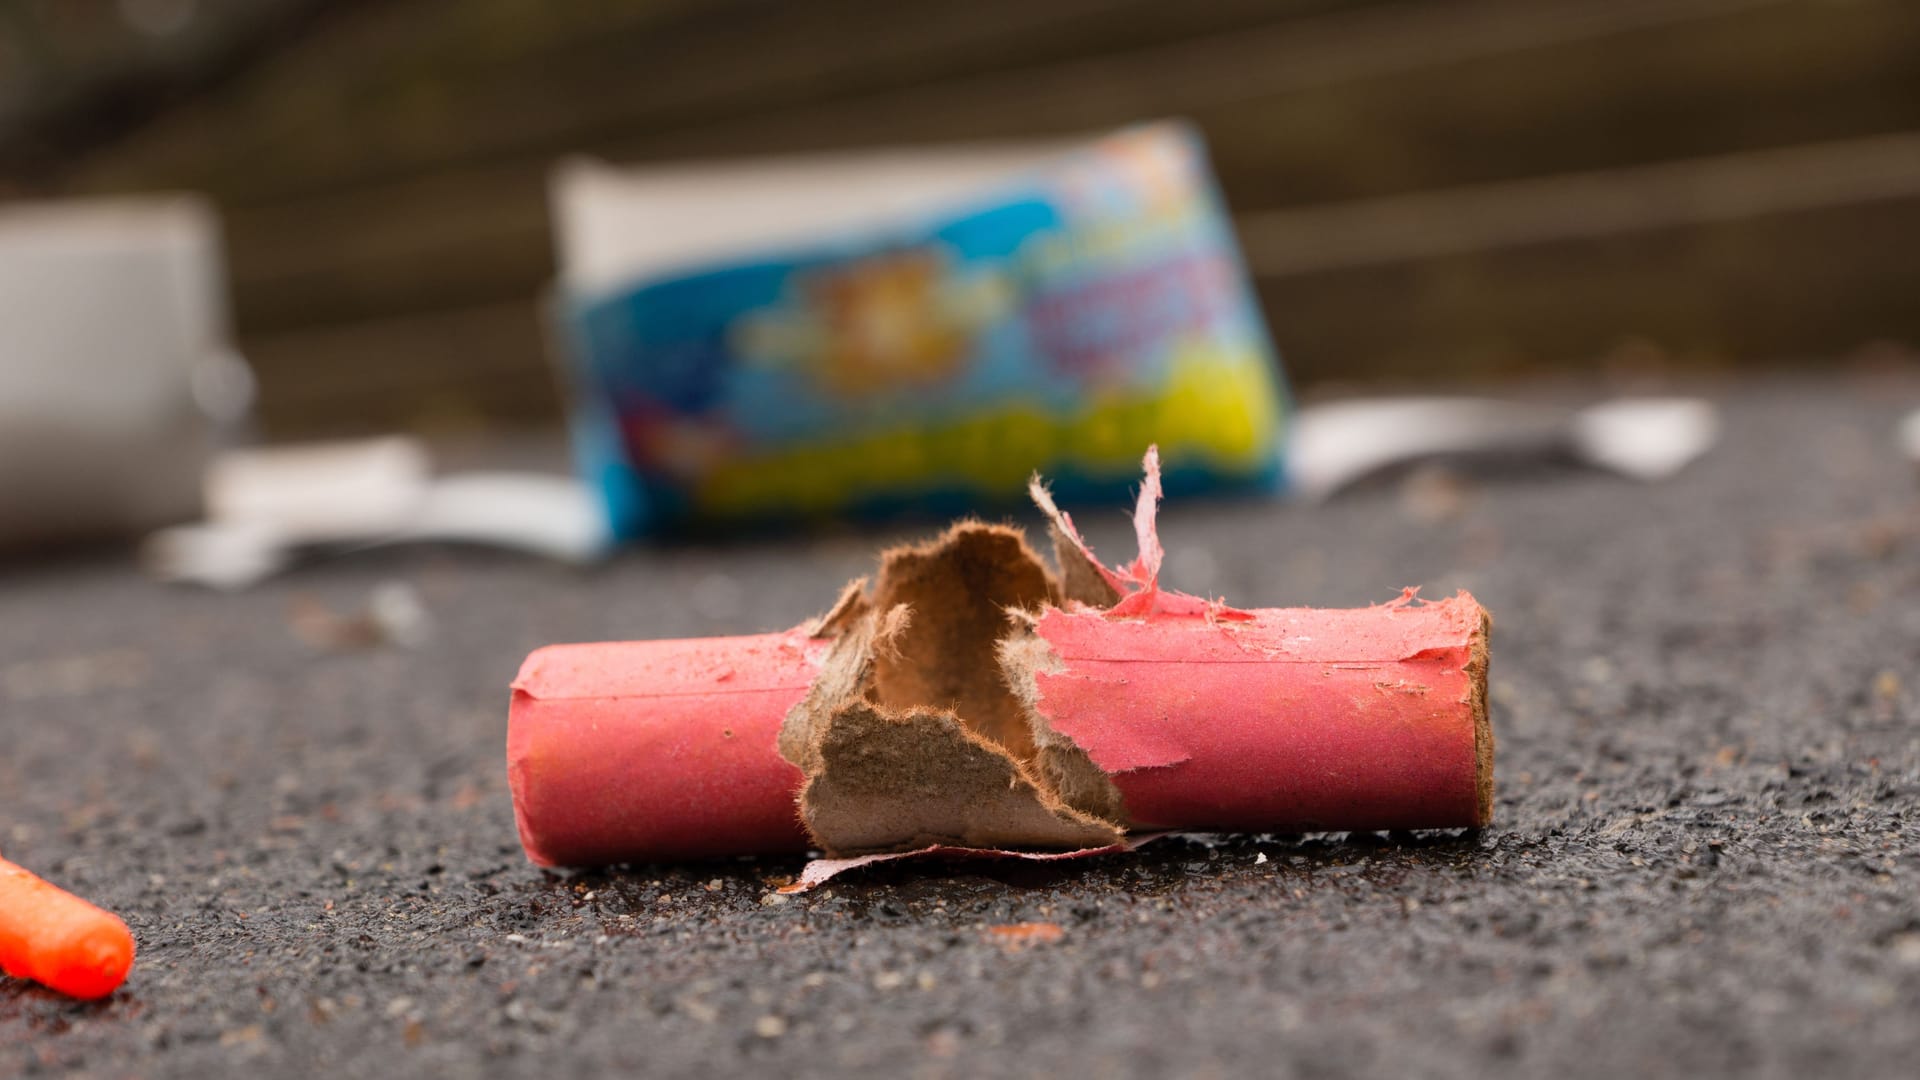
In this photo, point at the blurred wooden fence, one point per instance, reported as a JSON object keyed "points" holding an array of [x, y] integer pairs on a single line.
{"points": [[1423, 188]]}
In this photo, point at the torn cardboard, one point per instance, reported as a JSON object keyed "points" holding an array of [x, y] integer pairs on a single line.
{"points": [[911, 735]]}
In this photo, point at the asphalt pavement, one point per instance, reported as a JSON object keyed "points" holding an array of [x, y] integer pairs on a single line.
{"points": [[1704, 860]]}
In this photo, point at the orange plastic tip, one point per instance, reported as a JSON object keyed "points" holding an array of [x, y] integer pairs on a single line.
{"points": [[58, 940]]}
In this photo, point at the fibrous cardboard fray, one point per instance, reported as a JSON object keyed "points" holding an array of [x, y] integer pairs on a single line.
{"points": [[912, 737], [924, 729]]}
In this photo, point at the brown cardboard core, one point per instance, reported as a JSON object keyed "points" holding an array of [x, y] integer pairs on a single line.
{"points": [[913, 736], [960, 590], [1482, 724]]}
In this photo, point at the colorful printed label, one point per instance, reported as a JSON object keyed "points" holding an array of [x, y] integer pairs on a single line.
{"points": [[1078, 315]]}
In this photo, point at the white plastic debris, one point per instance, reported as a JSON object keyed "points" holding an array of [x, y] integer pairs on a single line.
{"points": [[1645, 438], [1338, 444], [1909, 436], [268, 507], [115, 372]]}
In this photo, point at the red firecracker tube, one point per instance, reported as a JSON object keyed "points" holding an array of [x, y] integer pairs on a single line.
{"points": [[973, 699]]}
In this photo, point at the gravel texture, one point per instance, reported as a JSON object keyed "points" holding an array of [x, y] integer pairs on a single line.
{"points": [[1705, 858]]}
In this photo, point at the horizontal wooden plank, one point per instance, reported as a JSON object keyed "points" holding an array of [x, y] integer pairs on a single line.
{"points": [[1776, 72], [1596, 205], [1792, 277], [1775, 76], [1490, 184], [1781, 288], [1426, 46], [400, 93], [453, 368], [429, 244], [336, 117]]}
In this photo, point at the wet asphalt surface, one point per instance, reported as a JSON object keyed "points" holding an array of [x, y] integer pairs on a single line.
{"points": [[1705, 858]]}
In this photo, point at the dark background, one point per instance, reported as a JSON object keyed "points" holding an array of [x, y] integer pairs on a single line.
{"points": [[1425, 190]]}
